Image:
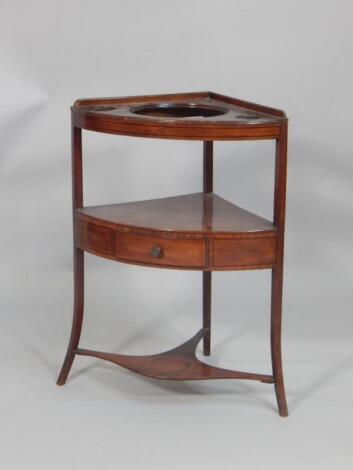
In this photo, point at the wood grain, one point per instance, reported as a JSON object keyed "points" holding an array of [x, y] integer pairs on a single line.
{"points": [[139, 248], [240, 119], [190, 214], [244, 252], [195, 231], [95, 238], [179, 363]]}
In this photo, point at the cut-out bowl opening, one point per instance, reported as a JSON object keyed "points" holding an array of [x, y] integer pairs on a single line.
{"points": [[178, 110]]}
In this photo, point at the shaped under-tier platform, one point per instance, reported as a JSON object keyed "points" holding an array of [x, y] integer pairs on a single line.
{"points": [[179, 363]]}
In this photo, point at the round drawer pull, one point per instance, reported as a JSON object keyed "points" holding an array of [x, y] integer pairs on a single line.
{"points": [[157, 252]]}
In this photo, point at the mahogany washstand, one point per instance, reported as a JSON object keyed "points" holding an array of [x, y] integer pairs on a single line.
{"points": [[199, 231]]}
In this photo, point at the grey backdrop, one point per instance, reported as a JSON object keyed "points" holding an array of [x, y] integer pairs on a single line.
{"points": [[295, 55]]}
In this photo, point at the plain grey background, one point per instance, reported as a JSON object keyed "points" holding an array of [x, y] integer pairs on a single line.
{"points": [[295, 55]]}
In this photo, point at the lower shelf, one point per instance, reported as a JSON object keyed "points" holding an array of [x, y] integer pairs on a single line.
{"points": [[179, 363], [200, 231]]}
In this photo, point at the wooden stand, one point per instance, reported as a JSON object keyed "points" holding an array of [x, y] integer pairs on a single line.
{"points": [[199, 231]]}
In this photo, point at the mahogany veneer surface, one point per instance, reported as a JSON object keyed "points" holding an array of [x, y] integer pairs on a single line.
{"points": [[198, 231], [199, 115], [193, 231], [197, 213], [183, 253]]}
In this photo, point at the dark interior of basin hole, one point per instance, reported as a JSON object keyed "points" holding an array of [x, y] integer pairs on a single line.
{"points": [[178, 110]]}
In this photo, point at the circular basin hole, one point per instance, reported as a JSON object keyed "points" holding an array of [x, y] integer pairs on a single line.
{"points": [[178, 110]]}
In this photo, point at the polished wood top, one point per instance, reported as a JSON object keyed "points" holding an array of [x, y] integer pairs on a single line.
{"points": [[204, 213], [202, 115]]}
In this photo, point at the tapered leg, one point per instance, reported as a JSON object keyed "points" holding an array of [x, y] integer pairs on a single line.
{"points": [[277, 271], [276, 326], [207, 282], [207, 220], [77, 316]]}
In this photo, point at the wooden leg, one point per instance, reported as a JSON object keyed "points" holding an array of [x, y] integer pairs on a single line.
{"points": [[207, 214], [207, 281], [276, 324], [77, 316]]}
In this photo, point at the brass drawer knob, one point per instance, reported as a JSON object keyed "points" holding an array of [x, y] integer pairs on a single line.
{"points": [[157, 252]]}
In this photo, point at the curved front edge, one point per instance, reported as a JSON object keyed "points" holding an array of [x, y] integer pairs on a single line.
{"points": [[181, 252], [92, 122]]}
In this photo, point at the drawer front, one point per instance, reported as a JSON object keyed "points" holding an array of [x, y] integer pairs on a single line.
{"points": [[160, 251], [244, 252], [94, 238]]}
